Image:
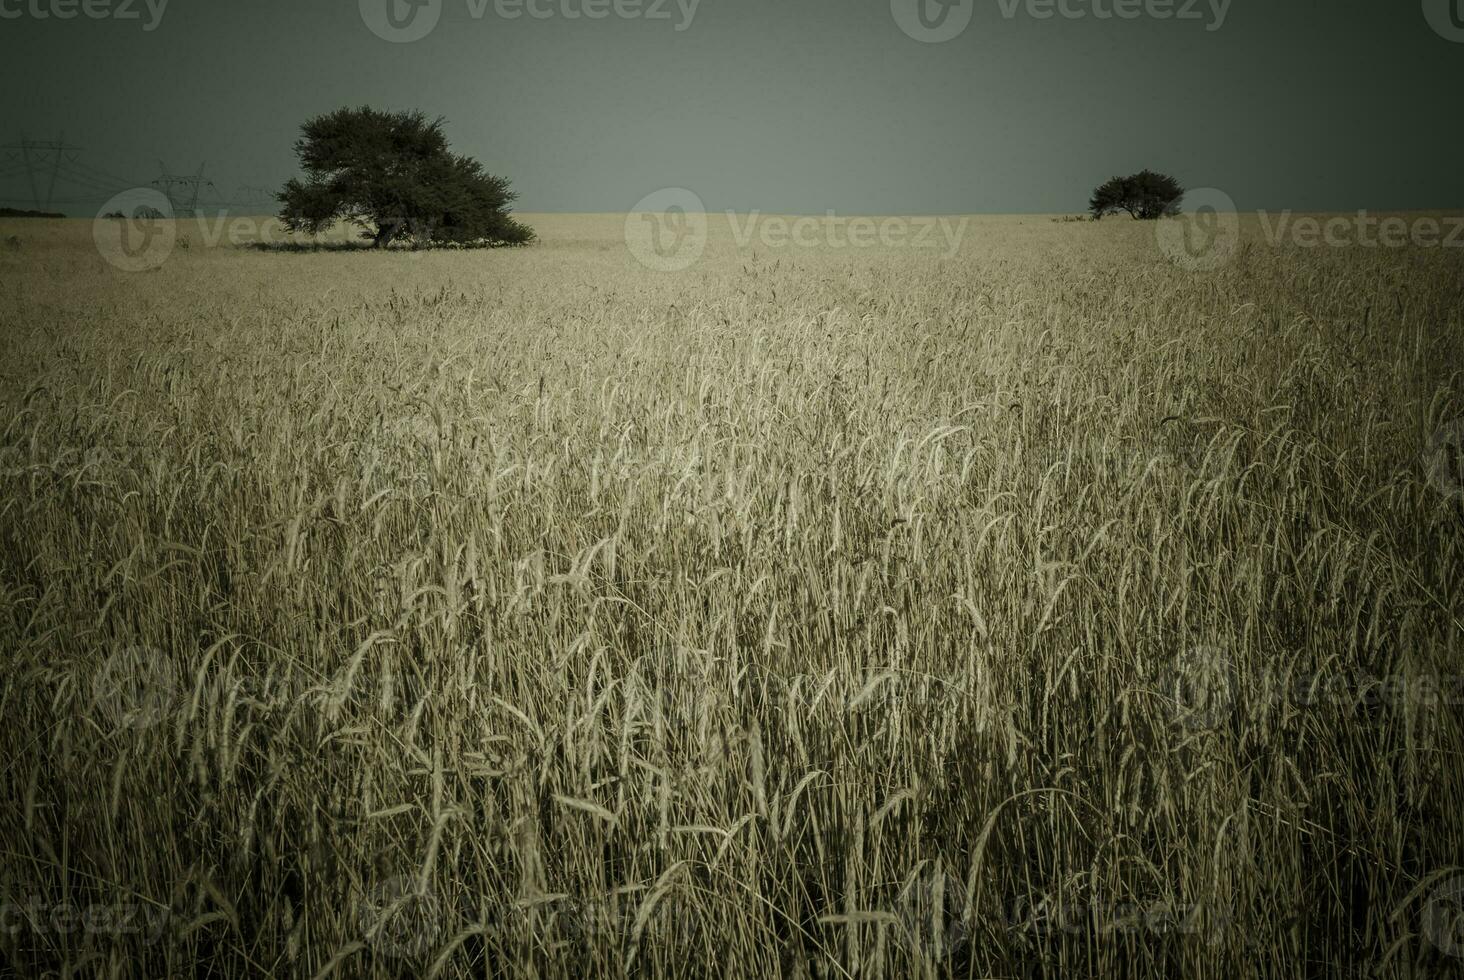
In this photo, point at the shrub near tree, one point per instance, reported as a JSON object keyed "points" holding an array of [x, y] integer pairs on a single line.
{"points": [[393, 174], [1146, 196]]}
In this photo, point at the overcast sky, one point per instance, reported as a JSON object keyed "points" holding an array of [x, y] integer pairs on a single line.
{"points": [[801, 106]]}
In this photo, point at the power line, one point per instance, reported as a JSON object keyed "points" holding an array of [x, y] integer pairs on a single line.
{"points": [[249, 196], [52, 165], [59, 200], [91, 183], [104, 175]]}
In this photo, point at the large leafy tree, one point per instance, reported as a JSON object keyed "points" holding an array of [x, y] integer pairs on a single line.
{"points": [[1145, 195], [393, 174]]}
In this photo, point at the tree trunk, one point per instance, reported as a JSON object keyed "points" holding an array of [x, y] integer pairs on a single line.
{"points": [[386, 234]]}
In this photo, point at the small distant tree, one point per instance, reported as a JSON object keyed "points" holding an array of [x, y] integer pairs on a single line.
{"points": [[393, 174], [142, 213], [1146, 196]]}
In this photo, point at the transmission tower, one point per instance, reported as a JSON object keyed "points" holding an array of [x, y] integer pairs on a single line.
{"points": [[185, 204], [37, 155]]}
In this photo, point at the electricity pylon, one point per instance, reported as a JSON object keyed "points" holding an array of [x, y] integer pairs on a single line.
{"points": [[189, 187], [40, 153]]}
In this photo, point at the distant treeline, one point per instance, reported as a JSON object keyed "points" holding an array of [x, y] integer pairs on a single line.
{"points": [[13, 213]]}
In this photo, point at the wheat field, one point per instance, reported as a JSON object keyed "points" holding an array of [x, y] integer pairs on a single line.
{"points": [[1042, 609]]}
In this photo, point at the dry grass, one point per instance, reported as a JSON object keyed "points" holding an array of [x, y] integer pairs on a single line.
{"points": [[1045, 611]]}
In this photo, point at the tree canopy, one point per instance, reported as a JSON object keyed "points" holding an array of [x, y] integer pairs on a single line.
{"points": [[1145, 196], [394, 174]]}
